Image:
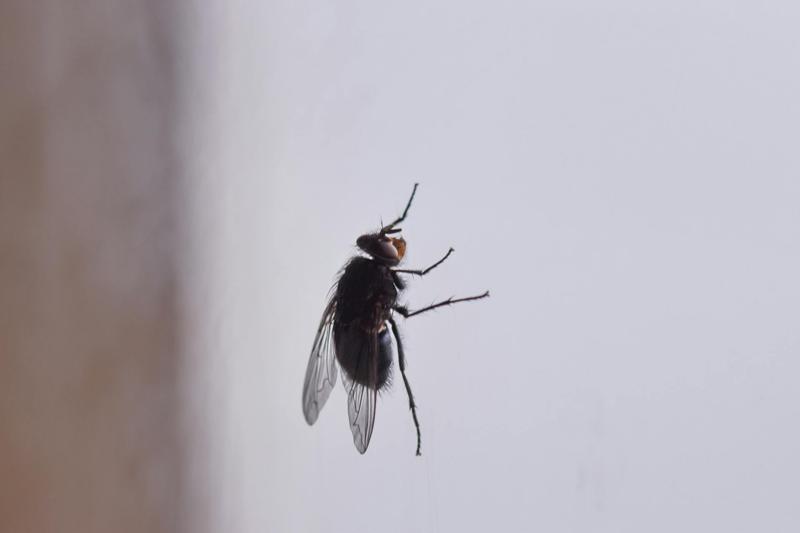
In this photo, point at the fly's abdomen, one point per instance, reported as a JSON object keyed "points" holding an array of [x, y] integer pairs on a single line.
{"points": [[366, 356]]}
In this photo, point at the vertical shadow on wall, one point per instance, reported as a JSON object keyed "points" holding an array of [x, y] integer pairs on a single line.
{"points": [[90, 349]]}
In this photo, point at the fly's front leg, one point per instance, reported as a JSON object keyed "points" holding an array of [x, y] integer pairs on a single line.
{"points": [[391, 227], [450, 301], [425, 271]]}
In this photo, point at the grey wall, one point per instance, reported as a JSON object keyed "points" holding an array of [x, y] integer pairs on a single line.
{"points": [[622, 175]]}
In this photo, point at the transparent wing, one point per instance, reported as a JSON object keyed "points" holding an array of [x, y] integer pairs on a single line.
{"points": [[321, 370], [362, 398]]}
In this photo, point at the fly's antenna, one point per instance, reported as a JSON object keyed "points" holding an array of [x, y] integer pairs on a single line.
{"points": [[388, 230]]}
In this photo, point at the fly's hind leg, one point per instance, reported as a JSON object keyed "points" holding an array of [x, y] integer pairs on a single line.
{"points": [[450, 301], [401, 360]]}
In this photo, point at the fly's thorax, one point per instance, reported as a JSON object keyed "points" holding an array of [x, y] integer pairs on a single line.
{"points": [[365, 292]]}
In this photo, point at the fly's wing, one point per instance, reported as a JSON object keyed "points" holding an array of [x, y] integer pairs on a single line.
{"points": [[321, 370], [362, 397]]}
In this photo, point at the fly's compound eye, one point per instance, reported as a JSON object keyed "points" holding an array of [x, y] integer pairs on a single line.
{"points": [[399, 245], [388, 250]]}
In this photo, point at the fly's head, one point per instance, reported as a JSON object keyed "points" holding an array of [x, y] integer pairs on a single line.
{"points": [[382, 247]]}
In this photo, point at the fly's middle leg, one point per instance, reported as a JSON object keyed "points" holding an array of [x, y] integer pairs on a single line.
{"points": [[425, 271], [450, 301]]}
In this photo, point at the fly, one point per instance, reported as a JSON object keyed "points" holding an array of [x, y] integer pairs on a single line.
{"points": [[357, 329]]}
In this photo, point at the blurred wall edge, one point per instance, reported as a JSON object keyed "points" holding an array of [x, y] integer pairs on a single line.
{"points": [[90, 349]]}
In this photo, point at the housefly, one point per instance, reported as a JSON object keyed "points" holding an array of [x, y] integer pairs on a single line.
{"points": [[357, 329]]}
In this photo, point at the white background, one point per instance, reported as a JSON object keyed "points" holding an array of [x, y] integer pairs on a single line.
{"points": [[623, 177]]}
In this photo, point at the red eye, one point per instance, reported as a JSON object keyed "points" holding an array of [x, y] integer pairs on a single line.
{"points": [[399, 245]]}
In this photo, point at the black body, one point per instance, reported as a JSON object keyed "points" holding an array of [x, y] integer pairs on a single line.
{"points": [[365, 295], [357, 329]]}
